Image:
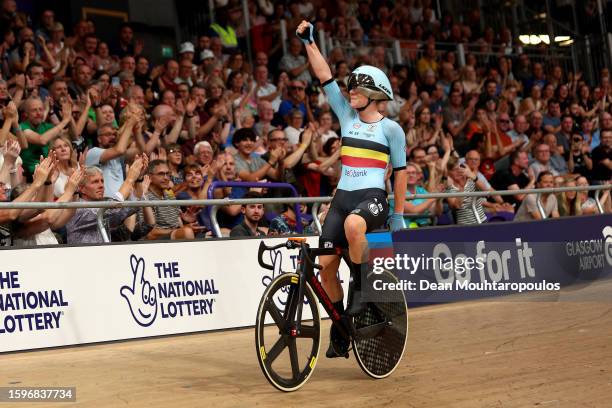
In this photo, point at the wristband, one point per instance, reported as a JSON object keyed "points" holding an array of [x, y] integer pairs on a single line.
{"points": [[190, 116], [140, 180], [48, 183]]}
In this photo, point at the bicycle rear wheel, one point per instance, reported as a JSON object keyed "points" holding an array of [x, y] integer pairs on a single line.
{"points": [[381, 331], [287, 356]]}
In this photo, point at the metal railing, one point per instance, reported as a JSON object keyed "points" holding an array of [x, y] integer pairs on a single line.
{"points": [[221, 184], [317, 201]]}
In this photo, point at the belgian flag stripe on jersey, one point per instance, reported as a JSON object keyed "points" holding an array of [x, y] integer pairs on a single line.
{"points": [[365, 144], [356, 157], [362, 162], [364, 153]]}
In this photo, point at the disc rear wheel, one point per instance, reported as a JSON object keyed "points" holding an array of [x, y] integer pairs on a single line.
{"points": [[382, 331]]}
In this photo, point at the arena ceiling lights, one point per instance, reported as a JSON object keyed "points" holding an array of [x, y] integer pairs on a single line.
{"points": [[537, 39]]}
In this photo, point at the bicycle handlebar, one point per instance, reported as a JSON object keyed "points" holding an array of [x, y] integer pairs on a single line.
{"points": [[289, 244], [263, 248]]}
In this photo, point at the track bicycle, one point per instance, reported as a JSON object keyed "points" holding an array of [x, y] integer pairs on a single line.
{"points": [[288, 323]]}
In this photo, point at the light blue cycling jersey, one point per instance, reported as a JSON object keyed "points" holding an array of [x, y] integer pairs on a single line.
{"points": [[366, 147]]}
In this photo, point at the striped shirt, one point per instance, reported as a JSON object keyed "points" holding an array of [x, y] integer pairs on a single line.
{"points": [[165, 217], [465, 215]]}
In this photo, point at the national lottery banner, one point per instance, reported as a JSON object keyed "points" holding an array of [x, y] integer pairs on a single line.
{"points": [[74, 295], [434, 265]]}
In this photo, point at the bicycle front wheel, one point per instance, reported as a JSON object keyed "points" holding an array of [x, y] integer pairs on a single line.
{"points": [[287, 351], [381, 331]]}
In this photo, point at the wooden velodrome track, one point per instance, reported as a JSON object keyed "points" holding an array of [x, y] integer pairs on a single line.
{"points": [[476, 354]]}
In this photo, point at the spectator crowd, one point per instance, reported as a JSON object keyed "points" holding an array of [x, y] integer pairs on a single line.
{"points": [[86, 118]]}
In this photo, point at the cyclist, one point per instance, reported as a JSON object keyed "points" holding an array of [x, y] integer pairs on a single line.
{"points": [[369, 142]]}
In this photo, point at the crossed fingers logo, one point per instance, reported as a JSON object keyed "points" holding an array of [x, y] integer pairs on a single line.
{"points": [[141, 296]]}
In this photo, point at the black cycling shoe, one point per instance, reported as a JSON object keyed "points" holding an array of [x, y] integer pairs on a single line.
{"points": [[355, 304], [338, 346]]}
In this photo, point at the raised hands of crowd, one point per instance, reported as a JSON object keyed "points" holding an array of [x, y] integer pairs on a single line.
{"points": [[220, 111], [471, 106], [159, 154], [142, 188], [277, 154], [11, 151], [10, 113], [190, 107], [66, 104], [74, 181], [161, 124], [179, 108], [138, 168], [44, 170]]}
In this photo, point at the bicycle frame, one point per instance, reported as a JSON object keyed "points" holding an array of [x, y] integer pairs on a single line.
{"points": [[305, 270]]}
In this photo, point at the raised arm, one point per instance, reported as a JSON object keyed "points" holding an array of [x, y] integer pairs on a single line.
{"points": [[121, 146], [317, 61]]}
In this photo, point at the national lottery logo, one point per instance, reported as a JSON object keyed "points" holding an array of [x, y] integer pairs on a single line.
{"points": [[23, 309], [141, 297], [166, 293], [607, 233]]}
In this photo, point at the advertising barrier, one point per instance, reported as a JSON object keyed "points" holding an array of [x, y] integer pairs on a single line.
{"points": [[469, 262], [75, 295]]}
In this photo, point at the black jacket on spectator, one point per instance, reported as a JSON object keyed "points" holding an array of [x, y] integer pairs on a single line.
{"points": [[502, 179], [600, 171], [242, 230]]}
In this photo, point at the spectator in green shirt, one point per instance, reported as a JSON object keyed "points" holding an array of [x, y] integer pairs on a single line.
{"points": [[39, 133]]}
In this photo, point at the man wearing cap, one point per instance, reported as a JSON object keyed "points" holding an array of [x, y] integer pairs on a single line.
{"points": [[186, 51], [207, 58]]}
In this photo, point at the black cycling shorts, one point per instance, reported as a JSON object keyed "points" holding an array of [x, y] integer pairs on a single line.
{"points": [[370, 203]]}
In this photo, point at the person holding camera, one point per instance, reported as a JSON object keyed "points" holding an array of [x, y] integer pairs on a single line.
{"points": [[579, 161], [462, 179]]}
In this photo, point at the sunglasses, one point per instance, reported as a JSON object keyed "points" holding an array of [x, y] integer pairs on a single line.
{"points": [[297, 88]]}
